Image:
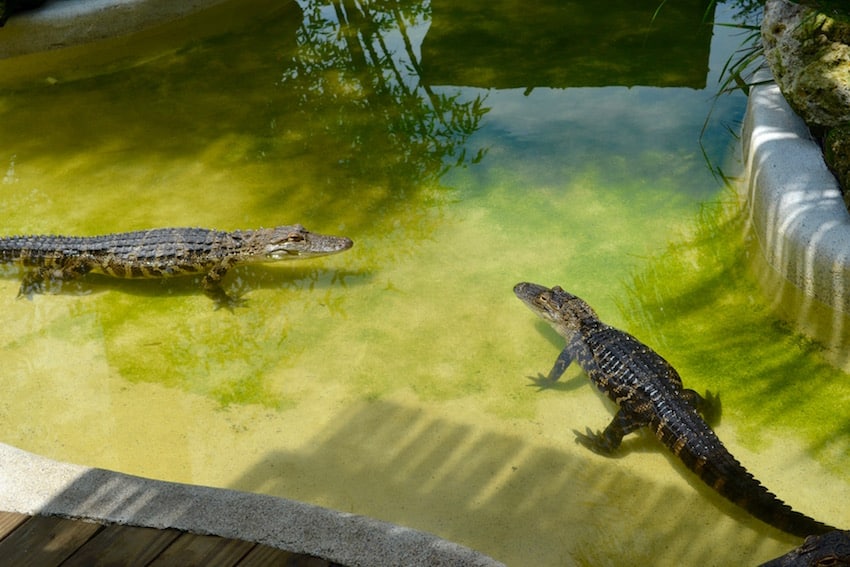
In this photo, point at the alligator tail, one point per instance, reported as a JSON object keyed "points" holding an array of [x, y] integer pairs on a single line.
{"points": [[739, 486], [722, 471], [696, 444]]}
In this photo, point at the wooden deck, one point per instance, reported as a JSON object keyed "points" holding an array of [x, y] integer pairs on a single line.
{"points": [[45, 541]]}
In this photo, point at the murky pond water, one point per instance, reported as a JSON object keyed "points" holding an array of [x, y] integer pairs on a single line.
{"points": [[463, 151]]}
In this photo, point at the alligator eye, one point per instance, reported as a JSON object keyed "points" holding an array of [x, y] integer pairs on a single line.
{"points": [[295, 237]]}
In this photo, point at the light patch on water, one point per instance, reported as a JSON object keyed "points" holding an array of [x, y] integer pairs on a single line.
{"points": [[9, 177]]}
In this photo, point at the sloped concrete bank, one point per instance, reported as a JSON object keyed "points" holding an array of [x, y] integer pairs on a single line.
{"points": [[34, 485], [63, 23], [54, 43], [798, 219]]}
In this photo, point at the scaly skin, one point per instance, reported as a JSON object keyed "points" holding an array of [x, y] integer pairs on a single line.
{"points": [[161, 252], [649, 393], [829, 550]]}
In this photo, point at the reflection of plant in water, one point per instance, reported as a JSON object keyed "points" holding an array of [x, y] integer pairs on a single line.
{"points": [[747, 10], [739, 68], [344, 73]]}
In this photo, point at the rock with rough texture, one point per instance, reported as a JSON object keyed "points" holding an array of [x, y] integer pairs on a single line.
{"points": [[809, 55], [836, 154]]}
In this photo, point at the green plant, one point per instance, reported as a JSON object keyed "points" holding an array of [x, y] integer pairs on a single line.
{"points": [[739, 70]]}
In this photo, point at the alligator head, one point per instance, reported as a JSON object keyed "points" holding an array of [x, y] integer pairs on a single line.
{"points": [[565, 312], [291, 242]]}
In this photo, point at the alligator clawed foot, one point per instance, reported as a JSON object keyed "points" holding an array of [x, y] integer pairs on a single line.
{"points": [[26, 293], [33, 283], [228, 302], [594, 440], [231, 304], [541, 382], [221, 298]]}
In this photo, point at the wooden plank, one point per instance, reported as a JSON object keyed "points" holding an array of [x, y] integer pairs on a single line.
{"points": [[9, 521], [122, 545], [265, 556], [44, 541], [49, 541], [210, 551]]}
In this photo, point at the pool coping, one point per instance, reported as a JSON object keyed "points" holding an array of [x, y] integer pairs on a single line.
{"points": [[798, 217], [34, 485], [65, 23]]}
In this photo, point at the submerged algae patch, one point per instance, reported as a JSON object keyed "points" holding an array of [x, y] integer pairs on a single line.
{"points": [[227, 357], [699, 305]]}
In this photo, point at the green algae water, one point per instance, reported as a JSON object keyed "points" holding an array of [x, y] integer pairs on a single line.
{"points": [[463, 152]]}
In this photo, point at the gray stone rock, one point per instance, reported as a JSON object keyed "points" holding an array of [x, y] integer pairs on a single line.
{"points": [[809, 55], [836, 154]]}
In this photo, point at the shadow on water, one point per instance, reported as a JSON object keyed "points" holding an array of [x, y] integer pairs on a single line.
{"points": [[568, 44], [339, 118], [441, 476], [239, 282]]}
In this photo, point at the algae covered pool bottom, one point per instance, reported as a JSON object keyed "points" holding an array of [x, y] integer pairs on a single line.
{"points": [[392, 380]]}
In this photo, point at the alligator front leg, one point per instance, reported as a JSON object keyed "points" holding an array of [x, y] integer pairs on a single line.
{"points": [[561, 364], [32, 282], [37, 280], [606, 442], [212, 287]]}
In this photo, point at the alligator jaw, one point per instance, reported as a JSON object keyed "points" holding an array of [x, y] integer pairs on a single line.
{"points": [[553, 306], [291, 242], [328, 245], [528, 291]]}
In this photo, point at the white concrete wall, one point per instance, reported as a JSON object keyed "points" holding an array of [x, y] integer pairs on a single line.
{"points": [[798, 218]]}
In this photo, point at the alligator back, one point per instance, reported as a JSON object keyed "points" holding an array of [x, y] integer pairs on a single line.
{"points": [[649, 390], [152, 253]]}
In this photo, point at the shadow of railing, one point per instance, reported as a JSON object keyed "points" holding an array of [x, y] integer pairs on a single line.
{"points": [[493, 491], [497, 492]]}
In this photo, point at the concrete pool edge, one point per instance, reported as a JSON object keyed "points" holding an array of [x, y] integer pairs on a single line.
{"points": [[31, 484], [64, 24], [798, 217]]}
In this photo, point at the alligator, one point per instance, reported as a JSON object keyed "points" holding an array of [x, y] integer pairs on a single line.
{"points": [[828, 550], [159, 253], [649, 393]]}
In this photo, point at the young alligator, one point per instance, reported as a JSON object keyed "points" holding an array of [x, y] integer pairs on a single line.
{"points": [[161, 252], [649, 393]]}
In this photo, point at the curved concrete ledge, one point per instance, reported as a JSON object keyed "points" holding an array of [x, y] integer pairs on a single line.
{"points": [[69, 40], [62, 23], [798, 217], [34, 485]]}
